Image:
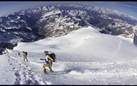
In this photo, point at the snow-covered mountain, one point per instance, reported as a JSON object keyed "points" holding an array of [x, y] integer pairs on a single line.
{"points": [[52, 21], [84, 57]]}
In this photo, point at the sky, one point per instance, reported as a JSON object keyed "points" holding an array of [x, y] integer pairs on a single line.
{"points": [[128, 7]]}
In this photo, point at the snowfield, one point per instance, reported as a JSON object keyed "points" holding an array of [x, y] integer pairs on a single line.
{"points": [[84, 57]]}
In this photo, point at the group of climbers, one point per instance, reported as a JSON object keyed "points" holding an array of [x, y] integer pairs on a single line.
{"points": [[49, 59]]}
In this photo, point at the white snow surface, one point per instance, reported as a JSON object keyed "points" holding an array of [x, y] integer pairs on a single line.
{"points": [[84, 57]]}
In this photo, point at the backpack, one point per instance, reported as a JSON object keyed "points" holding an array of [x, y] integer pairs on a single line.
{"points": [[25, 53], [53, 56]]}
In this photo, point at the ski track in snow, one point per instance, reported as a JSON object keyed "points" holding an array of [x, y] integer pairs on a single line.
{"points": [[21, 74], [99, 72]]}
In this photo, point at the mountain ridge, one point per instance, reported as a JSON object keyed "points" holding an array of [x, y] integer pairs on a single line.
{"points": [[52, 21]]}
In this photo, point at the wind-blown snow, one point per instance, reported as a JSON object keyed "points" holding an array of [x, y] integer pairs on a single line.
{"points": [[84, 57]]}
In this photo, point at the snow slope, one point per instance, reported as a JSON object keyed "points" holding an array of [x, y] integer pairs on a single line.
{"points": [[84, 57]]}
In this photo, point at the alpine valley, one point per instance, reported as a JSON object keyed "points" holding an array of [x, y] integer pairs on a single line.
{"points": [[57, 20]]}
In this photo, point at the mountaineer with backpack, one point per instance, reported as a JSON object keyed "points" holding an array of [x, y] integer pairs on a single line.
{"points": [[25, 56], [19, 54], [49, 59], [6, 51]]}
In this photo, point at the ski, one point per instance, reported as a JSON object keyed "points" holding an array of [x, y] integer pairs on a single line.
{"points": [[31, 71]]}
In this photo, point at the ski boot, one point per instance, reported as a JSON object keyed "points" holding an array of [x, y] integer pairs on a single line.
{"points": [[45, 71], [51, 71]]}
